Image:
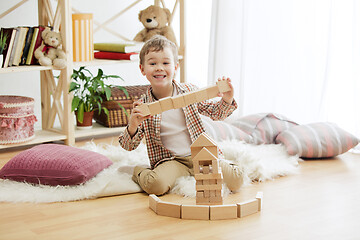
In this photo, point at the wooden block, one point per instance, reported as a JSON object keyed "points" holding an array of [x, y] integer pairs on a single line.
{"points": [[216, 200], [208, 187], [247, 208], [223, 212], [195, 212], [196, 150], [202, 201], [196, 167], [201, 95], [199, 182], [200, 194], [259, 197], [203, 140], [168, 209], [212, 91], [190, 98], [216, 181], [206, 170], [200, 176], [204, 162], [166, 104], [213, 193], [207, 193], [218, 193], [178, 101], [144, 108], [155, 108], [153, 201], [223, 86], [204, 156], [215, 166]]}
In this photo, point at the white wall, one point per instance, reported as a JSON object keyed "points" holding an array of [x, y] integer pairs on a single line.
{"points": [[198, 15]]}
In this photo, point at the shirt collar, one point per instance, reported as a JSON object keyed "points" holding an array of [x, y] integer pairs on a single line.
{"points": [[179, 88]]}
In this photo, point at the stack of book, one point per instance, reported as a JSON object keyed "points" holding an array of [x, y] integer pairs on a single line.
{"points": [[20, 45], [117, 50]]}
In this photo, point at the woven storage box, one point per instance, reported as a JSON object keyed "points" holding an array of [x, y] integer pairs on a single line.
{"points": [[16, 119], [117, 116]]}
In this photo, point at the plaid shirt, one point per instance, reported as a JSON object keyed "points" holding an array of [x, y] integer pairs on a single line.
{"points": [[150, 128]]}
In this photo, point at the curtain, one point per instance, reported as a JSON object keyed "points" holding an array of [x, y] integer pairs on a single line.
{"points": [[299, 58]]}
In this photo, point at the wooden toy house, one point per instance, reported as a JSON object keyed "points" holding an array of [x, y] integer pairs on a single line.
{"points": [[207, 172]]}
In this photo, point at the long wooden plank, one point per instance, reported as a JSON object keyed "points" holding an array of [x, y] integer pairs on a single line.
{"points": [[190, 97]]}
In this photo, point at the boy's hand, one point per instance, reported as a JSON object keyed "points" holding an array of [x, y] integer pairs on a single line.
{"points": [[136, 118], [227, 96]]}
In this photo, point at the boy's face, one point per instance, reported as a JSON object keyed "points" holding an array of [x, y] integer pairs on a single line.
{"points": [[159, 67]]}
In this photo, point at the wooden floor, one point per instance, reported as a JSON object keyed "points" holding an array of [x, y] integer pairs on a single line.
{"points": [[321, 202]]}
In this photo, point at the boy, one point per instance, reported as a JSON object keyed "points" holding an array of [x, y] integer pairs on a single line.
{"points": [[169, 135]]}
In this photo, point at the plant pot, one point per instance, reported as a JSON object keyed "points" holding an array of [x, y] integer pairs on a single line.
{"points": [[1, 60], [87, 121]]}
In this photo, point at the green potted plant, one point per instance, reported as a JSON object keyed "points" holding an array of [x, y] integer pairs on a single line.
{"points": [[3, 38], [89, 93]]}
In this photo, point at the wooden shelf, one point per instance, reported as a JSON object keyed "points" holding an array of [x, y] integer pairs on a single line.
{"points": [[99, 62], [96, 130], [55, 100], [41, 136], [75, 64], [24, 69]]}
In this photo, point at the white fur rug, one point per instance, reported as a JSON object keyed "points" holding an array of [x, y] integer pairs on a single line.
{"points": [[258, 163]]}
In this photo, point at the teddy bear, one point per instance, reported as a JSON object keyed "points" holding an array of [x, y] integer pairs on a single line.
{"points": [[155, 20], [50, 52]]}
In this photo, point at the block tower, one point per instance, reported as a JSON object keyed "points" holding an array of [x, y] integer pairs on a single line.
{"points": [[208, 176]]}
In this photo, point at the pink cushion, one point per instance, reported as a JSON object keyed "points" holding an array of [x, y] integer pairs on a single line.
{"points": [[220, 131], [317, 140], [263, 127], [54, 164]]}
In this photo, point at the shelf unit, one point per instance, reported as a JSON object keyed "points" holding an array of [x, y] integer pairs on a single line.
{"points": [[55, 100]]}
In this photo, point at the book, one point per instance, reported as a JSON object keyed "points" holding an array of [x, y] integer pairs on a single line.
{"points": [[11, 32], [19, 46], [32, 46], [13, 47], [116, 55], [37, 43], [28, 39], [118, 47]]}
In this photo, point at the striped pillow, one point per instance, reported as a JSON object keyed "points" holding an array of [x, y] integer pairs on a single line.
{"points": [[317, 140], [220, 131], [263, 127]]}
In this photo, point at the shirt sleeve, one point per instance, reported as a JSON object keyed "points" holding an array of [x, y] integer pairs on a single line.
{"points": [[130, 143], [217, 110]]}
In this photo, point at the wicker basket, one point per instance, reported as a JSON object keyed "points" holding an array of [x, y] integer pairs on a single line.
{"points": [[117, 117]]}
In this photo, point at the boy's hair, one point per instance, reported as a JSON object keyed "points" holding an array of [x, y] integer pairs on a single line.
{"points": [[158, 43]]}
